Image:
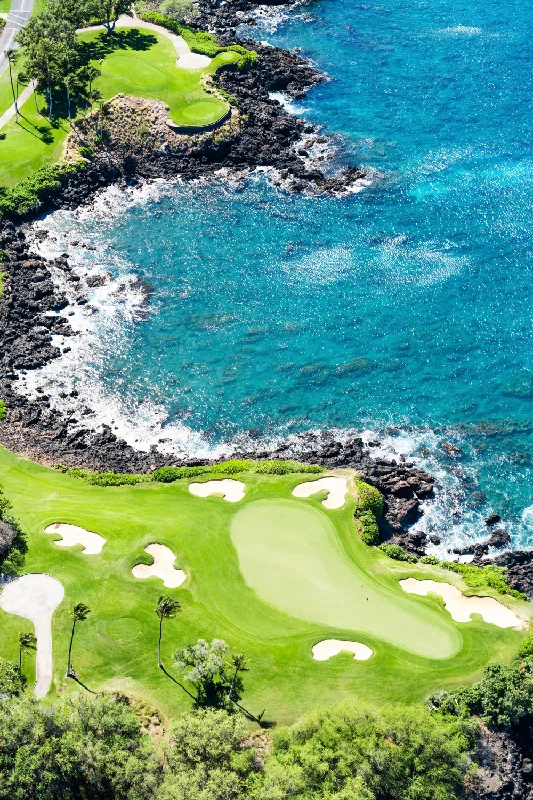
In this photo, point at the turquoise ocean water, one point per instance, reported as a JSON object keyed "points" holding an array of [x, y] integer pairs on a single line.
{"points": [[404, 309]]}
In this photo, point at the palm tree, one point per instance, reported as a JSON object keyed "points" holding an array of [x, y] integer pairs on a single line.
{"points": [[79, 613], [27, 642], [11, 56], [167, 608]]}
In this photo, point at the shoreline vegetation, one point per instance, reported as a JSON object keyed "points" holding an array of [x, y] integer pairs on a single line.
{"points": [[205, 721]]}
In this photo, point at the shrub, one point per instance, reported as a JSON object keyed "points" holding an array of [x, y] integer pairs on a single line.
{"points": [[502, 697], [232, 467], [350, 753], [397, 553], [481, 577], [200, 41], [28, 194], [429, 560], [369, 498], [3, 256], [275, 467], [12, 681], [13, 562], [3, 405], [526, 648], [171, 474], [103, 478], [370, 530]]}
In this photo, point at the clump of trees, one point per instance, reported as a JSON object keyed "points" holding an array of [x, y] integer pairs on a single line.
{"points": [[179, 10]]}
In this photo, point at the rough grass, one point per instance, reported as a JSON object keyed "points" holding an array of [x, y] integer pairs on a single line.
{"points": [[117, 646]]}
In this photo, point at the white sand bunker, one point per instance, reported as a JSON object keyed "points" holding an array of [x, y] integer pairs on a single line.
{"points": [[332, 647], [36, 597], [461, 607], [336, 487], [230, 490], [72, 534], [163, 567], [193, 61]]}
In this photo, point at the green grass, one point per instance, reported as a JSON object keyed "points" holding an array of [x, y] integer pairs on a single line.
{"points": [[143, 63], [5, 5], [290, 554], [117, 646], [135, 62]]}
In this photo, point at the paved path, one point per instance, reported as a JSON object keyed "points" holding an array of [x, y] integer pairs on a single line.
{"points": [[23, 96], [17, 18], [186, 59], [36, 597]]}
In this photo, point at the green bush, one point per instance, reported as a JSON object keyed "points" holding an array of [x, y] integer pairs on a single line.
{"points": [[171, 474], [350, 753], [526, 648], [429, 560], [482, 577], [502, 697], [27, 194], [13, 563], [369, 498], [275, 467], [103, 478], [370, 530], [200, 41], [397, 553], [232, 467], [3, 405], [3, 256]]}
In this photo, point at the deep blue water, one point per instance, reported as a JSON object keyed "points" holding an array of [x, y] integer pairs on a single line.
{"points": [[406, 305]]}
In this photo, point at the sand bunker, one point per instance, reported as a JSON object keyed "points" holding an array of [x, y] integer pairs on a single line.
{"points": [[72, 534], [193, 61], [231, 490], [461, 607], [36, 597], [332, 647], [163, 567], [337, 488]]}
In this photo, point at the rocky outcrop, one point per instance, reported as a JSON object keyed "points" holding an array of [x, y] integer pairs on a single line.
{"points": [[505, 765]]}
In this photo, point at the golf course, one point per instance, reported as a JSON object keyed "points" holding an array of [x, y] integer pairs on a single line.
{"points": [[271, 574], [136, 61]]}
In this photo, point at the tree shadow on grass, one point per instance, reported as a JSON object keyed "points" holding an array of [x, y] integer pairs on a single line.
{"points": [[105, 44], [42, 132]]}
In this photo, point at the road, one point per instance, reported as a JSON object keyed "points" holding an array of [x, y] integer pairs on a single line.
{"points": [[18, 17]]}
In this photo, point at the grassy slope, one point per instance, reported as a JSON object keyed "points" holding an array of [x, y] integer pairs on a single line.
{"points": [[5, 5], [116, 646], [143, 64]]}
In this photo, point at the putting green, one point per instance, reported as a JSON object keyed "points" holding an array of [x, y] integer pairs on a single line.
{"points": [[290, 555]]}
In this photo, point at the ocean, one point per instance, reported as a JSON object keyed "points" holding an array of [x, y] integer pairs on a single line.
{"points": [[239, 312]]}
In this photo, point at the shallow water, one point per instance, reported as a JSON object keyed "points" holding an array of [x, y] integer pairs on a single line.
{"points": [[405, 305]]}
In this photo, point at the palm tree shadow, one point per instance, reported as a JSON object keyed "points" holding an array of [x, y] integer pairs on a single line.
{"points": [[75, 678], [172, 678]]}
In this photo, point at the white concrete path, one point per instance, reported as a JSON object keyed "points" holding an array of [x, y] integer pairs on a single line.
{"points": [[10, 113], [36, 597]]}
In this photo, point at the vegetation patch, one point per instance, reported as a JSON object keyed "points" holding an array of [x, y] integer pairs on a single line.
{"points": [[32, 191], [200, 41], [3, 404], [397, 552], [491, 577]]}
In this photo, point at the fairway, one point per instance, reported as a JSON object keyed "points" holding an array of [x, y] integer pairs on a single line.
{"points": [[227, 550], [289, 554]]}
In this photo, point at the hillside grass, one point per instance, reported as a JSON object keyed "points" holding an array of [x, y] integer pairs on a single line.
{"points": [[116, 648]]}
